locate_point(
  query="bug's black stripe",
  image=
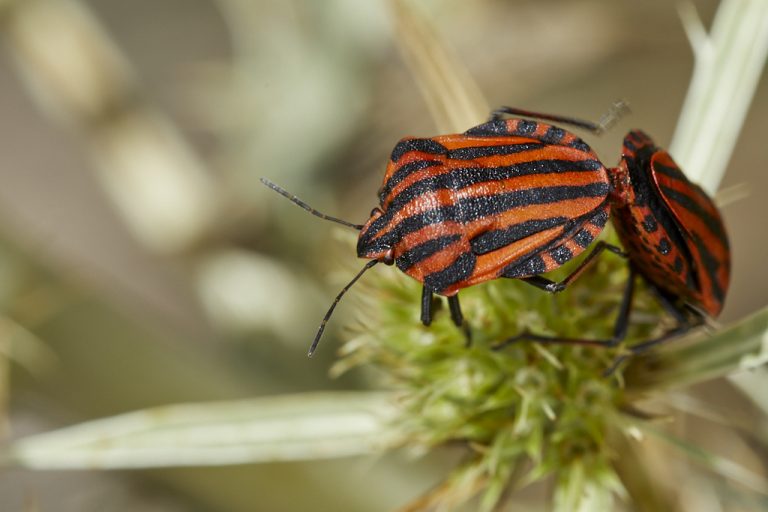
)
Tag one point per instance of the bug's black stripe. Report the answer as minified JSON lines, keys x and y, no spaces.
{"x":710,"y":266}
{"x":531,"y":266}
{"x":422,"y":145}
{"x":424,"y":251}
{"x":600,"y":219}
{"x":580,"y":145}
{"x":472,"y":152}
{"x":460,"y":269}
{"x":498,"y":238}
{"x":463,"y":177}
{"x":561,"y":254}
{"x":637,"y":140}
{"x":526,"y":127}
{"x":690,"y":204}
{"x":473,"y":208}
{"x":583,"y":238}
{"x":672,"y":172}
{"x":491,"y":128}
{"x":403,"y":172}
{"x":554,"y":135}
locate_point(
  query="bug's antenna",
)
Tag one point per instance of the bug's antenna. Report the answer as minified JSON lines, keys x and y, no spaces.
{"x":333,"y":306}
{"x":304,"y":205}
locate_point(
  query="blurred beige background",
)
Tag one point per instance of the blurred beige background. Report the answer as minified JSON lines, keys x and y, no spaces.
{"x":207,"y":96}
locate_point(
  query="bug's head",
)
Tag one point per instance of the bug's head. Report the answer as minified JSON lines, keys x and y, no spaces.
{"x":371,"y":244}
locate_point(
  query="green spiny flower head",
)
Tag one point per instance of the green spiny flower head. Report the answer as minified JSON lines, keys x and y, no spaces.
{"x":525,"y":411}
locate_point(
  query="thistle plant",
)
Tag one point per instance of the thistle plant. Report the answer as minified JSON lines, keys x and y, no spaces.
{"x":524,"y":411}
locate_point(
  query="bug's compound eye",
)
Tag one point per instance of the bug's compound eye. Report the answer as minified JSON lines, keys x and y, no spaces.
{"x":376,"y":211}
{"x":388,"y":258}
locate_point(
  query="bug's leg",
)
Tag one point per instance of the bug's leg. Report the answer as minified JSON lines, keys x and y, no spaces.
{"x":458,"y":318}
{"x":622,"y":320}
{"x":684,"y":324}
{"x":615,"y":112}
{"x":426,"y":306}
{"x":620,"y":326}
{"x":668,"y":304}
{"x":646,"y":345}
{"x":674,"y":332}
{"x":553,"y":287}
{"x":587,"y":125}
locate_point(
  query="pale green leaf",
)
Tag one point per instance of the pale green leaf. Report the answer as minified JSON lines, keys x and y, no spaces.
{"x":284,"y":428}
{"x":727,"y":468}
{"x":703,"y":356}
{"x":728,"y":64}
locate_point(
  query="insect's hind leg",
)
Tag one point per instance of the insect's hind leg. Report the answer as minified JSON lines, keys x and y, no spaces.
{"x":553,"y":287}
{"x":684,"y":324}
{"x":620,"y":327}
{"x":610,"y":118}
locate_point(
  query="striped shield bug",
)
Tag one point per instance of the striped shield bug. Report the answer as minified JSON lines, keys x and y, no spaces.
{"x":674,"y":238}
{"x":673,"y":233}
{"x":509,"y":198}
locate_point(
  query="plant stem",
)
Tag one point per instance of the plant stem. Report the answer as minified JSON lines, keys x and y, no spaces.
{"x":728,"y":64}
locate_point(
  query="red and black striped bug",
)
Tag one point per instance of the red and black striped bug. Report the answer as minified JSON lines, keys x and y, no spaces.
{"x":674,"y":239}
{"x":509,"y":198}
{"x":673,"y":233}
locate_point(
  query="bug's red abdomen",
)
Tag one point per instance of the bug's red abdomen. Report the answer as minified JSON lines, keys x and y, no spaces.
{"x":509,"y":198}
{"x":670,"y":227}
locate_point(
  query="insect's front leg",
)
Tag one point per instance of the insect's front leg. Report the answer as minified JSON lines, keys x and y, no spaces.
{"x":426,"y":306}
{"x":454,"y":306}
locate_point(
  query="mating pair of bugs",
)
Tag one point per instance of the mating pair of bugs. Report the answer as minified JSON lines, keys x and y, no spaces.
{"x":518,"y":197}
